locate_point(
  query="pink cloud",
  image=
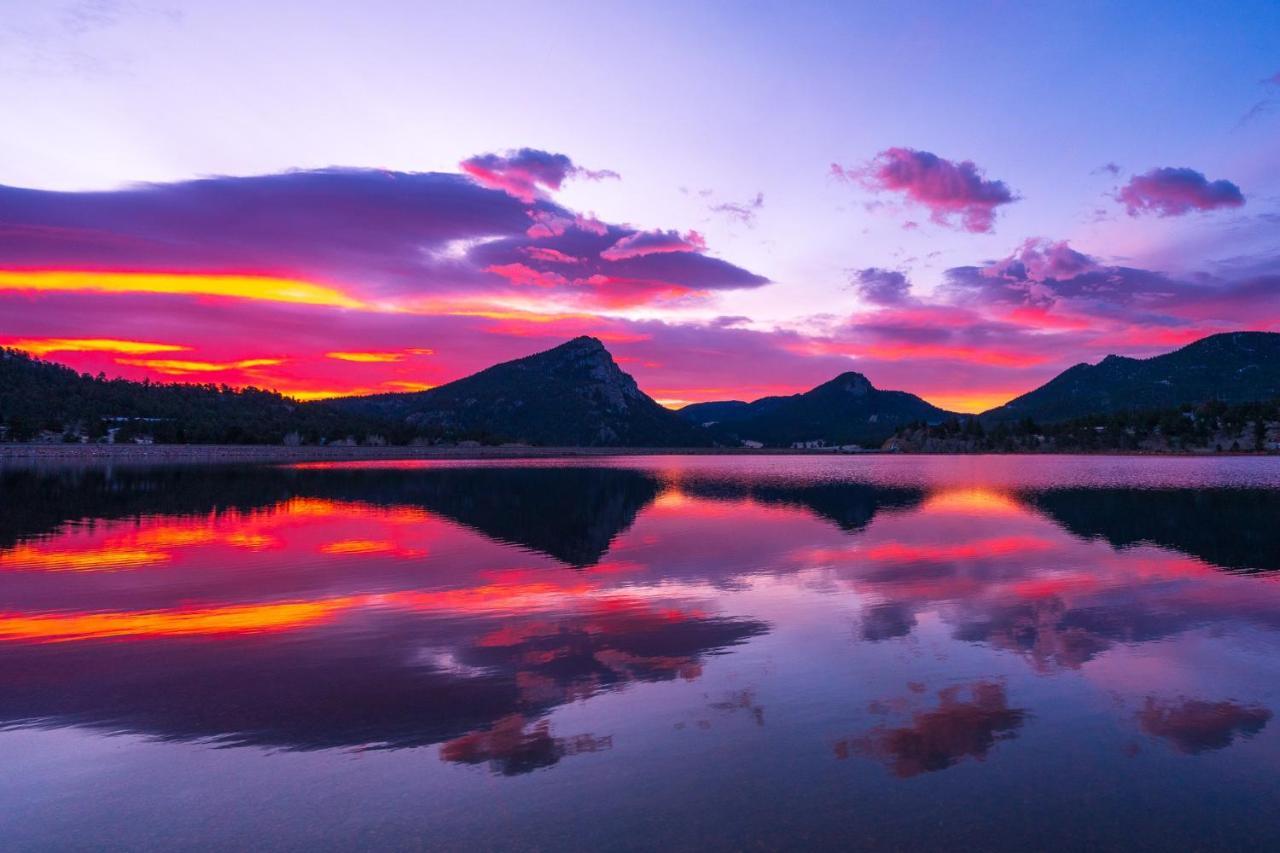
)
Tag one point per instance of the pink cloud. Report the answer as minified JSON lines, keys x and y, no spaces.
{"x":1038,"y":259}
{"x":656,"y":242}
{"x":1176,"y":191}
{"x":551,"y":256}
{"x":947,"y":189}
{"x":519,"y":274}
{"x":549,"y":224}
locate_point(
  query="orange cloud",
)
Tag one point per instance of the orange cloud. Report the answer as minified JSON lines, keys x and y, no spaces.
{"x":45,"y":346}
{"x":173,"y":367}
{"x":408,"y":386}
{"x":366,"y":357}
{"x":264,"y":288}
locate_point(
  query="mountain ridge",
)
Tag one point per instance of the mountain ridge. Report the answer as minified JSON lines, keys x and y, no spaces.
{"x":1234,"y":367}
{"x":573,"y":394}
{"x":845,"y":410}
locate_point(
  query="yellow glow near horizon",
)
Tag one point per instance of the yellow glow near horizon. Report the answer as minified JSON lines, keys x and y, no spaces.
{"x":259,"y":287}
{"x":970,"y":402}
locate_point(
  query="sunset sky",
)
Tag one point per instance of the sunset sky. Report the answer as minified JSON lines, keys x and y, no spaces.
{"x":740,"y":199}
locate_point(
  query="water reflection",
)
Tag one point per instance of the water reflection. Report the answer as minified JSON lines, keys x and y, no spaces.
{"x":497,"y":614}
{"x":967,"y":722}
{"x":1229,"y":528}
{"x":1194,"y":725}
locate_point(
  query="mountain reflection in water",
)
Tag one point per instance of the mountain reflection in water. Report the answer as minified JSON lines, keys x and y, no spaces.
{"x":906,"y":623}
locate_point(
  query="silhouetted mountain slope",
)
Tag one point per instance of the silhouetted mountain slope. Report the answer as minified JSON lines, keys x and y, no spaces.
{"x":728,"y":411}
{"x":572,"y":395}
{"x":1234,"y":367}
{"x":846,"y":410}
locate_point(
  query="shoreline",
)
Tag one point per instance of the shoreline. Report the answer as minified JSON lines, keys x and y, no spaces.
{"x":161,"y":454}
{"x":270,"y":453}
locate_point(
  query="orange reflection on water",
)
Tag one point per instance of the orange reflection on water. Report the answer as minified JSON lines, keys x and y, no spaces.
{"x":236,"y":619}
{"x":999,"y":546}
{"x":369,"y":546}
{"x":975,"y":501}
{"x":152,"y":541}
{"x":906,"y":552}
{"x":29,"y":558}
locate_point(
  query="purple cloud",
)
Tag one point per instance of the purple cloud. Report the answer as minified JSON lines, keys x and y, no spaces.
{"x":1171,"y":191}
{"x":389,"y":234}
{"x":744,"y":212}
{"x":527,"y":172}
{"x":881,"y":286}
{"x":946,"y":188}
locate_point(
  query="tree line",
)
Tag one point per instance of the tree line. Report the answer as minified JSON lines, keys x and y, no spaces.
{"x":41,"y":400}
{"x":1210,"y":426}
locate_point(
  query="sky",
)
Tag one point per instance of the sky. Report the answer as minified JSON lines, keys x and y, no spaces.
{"x":740,"y":199}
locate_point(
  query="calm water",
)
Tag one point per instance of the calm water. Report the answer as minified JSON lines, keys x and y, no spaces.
{"x":675,"y":653}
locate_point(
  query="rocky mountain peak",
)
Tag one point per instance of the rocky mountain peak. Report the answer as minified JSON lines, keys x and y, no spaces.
{"x":853,"y":383}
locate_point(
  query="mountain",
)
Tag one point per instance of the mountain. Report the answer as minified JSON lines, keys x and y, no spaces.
{"x":574,"y":395}
{"x":728,"y":411}
{"x":1234,"y":367}
{"x":846,"y":410}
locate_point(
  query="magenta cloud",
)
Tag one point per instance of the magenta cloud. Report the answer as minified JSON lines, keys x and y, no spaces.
{"x":950,"y":191}
{"x":1039,"y":260}
{"x":655,"y":242}
{"x":527,"y":172}
{"x":1169,"y":191}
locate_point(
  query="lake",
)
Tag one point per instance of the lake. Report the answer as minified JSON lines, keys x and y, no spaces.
{"x":690,"y":653}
